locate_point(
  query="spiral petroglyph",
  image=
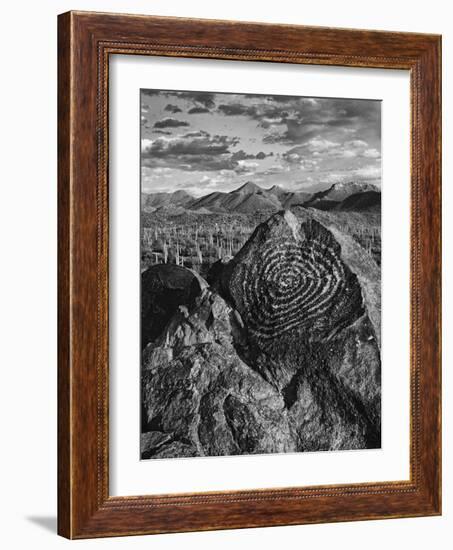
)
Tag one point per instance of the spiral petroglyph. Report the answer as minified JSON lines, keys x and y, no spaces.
{"x":291,"y":277}
{"x":291,"y":285}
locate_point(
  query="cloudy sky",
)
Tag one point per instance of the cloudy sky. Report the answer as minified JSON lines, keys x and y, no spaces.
{"x":203,"y":142}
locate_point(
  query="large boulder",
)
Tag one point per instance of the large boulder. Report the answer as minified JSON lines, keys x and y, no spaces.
{"x":308,"y":299}
{"x":199,"y":398}
{"x":165,"y":287}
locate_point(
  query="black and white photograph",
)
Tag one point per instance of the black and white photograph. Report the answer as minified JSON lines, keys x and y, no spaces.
{"x":260,"y":274}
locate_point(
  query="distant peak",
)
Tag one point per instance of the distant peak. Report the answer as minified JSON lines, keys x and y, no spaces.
{"x":248,"y":187}
{"x":277,"y":190}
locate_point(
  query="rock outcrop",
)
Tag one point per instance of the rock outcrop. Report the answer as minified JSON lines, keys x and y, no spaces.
{"x":307,"y":328}
{"x":280,"y":353}
{"x":164,"y":288}
{"x":200,"y":398}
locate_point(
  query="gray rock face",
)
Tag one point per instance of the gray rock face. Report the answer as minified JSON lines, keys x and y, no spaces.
{"x":280,"y":353}
{"x":164,"y":288}
{"x":308,"y":330}
{"x":200,"y":398}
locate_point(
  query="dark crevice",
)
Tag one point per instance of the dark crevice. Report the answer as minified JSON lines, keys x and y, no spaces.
{"x":154,"y":425}
{"x":289,"y":392}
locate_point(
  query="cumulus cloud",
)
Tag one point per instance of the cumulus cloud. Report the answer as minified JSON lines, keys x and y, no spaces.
{"x":191,"y":151}
{"x":151,"y":93}
{"x":316,"y":146}
{"x":205,"y":99}
{"x":293,"y":120}
{"x":265,"y":113}
{"x":371,"y":153}
{"x":146,"y":144}
{"x":198,"y":110}
{"x":327,"y":149}
{"x":246,"y":167}
{"x":162,"y":132}
{"x":242,"y":155}
{"x":192,"y":143}
{"x":320,"y":145}
{"x":300,"y":160}
{"x":368,"y":172}
{"x":275,"y":169}
{"x":235,"y":109}
{"x":170,"y":123}
{"x":172,"y":108}
{"x":359,"y":148}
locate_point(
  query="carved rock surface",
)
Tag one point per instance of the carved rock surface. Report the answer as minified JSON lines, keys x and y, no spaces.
{"x":308,"y":296}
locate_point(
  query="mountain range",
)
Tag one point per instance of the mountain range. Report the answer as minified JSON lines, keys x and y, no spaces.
{"x":250,"y":198}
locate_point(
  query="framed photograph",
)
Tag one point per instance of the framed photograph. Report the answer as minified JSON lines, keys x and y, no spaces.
{"x":249,"y":275}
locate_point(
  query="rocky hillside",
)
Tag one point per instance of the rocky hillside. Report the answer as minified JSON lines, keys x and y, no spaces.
{"x":340,"y":191}
{"x":248,"y":198}
{"x":357,"y":196}
{"x":279,"y":351}
{"x":152,"y":201}
{"x":368,"y":201}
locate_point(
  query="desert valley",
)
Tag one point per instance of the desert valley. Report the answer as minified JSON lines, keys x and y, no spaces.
{"x":196,"y":232}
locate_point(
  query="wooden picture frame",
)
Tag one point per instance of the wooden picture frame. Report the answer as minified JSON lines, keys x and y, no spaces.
{"x":85,"y":42}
